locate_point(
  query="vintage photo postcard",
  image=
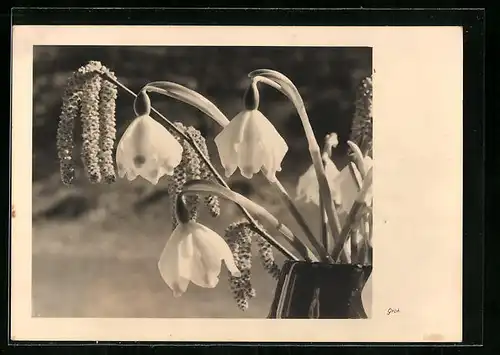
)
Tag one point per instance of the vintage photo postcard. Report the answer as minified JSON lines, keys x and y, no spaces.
{"x":204,"y":183}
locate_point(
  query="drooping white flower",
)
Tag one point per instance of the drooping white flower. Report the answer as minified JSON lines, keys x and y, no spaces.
{"x":308,"y":188}
{"x":251,"y":143}
{"x":194,"y":254}
{"x":147,"y":149}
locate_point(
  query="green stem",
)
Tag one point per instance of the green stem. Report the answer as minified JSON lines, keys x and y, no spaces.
{"x":358,"y":157}
{"x":195,"y":99}
{"x":256,"y":209}
{"x":359,"y":184}
{"x":189,"y":97}
{"x":353,"y":216}
{"x":359,"y":165}
{"x":330,"y":142}
{"x":288,"y":89}
{"x":287,"y":200}
{"x":219,"y":178}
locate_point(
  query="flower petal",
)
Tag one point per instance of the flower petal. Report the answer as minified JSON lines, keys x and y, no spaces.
{"x":185,"y":255}
{"x":349,"y":188}
{"x":274,"y":145}
{"x":147,"y":149}
{"x":200,"y":273}
{"x":250,"y":151}
{"x":308,"y":187}
{"x":214,"y":249}
{"x":169,"y":263}
{"x":332,"y":173}
{"x":227,"y":140}
{"x":251,"y":143}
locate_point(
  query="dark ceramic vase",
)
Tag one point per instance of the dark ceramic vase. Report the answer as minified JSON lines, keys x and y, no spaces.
{"x":320,"y":290}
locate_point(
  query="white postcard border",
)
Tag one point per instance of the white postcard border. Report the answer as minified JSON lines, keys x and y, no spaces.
{"x":417,"y":184}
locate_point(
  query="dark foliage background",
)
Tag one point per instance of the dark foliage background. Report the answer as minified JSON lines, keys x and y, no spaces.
{"x":95,"y":247}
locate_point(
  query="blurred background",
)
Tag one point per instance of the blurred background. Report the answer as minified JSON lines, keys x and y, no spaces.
{"x":96,"y":247}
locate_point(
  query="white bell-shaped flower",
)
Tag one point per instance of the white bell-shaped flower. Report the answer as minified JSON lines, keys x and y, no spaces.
{"x":147,"y":149}
{"x":308,"y":187}
{"x":251,"y":143}
{"x":194,"y":253}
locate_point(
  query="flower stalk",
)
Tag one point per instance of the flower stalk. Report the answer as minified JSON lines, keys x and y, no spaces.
{"x":249,"y":142}
{"x":198,"y":101}
{"x":354,"y":215}
{"x":326,"y":236}
{"x":280,"y":82}
{"x":288,"y":89}
{"x":200,"y":186}
{"x":194,"y":99}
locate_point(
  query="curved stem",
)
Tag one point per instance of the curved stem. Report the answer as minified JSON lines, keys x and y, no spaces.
{"x":331,"y":141}
{"x":287,"y":200}
{"x":324,"y":231}
{"x":358,"y":157}
{"x":197,"y":100}
{"x":209,"y":187}
{"x":289,"y":90}
{"x":219,"y":178}
{"x":353,"y":216}
{"x":189,"y":97}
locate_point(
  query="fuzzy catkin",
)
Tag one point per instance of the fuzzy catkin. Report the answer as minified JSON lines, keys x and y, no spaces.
{"x":64,"y":139}
{"x":191,"y":163}
{"x":362,"y":124}
{"x":107,"y":112}
{"x":92,"y":99}
{"x":185,"y":171}
{"x":211,"y":201}
{"x":191,"y":167}
{"x":239,"y":238}
{"x":267,"y":257}
{"x":91,"y":127}
{"x":70,"y":110}
{"x":174,"y":187}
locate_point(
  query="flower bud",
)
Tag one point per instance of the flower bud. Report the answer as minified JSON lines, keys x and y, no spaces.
{"x":174,"y":187}
{"x":142,"y":104}
{"x":251,"y":98}
{"x":182,"y":212}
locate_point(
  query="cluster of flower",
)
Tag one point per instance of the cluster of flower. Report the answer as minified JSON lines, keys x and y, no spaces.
{"x":191,"y":167}
{"x":92,"y":99}
{"x":239,"y":237}
{"x":362,"y":125}
{"x":248,"y":142}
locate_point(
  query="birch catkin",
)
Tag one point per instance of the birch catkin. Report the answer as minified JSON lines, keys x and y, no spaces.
{"x":91,"y":127}
{"x":91,"y":99}
{"x":107,"y":112}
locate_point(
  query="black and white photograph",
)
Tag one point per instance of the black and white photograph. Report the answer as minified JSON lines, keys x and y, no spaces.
{"x":215,"y":182}
{"x":197,"y":195}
